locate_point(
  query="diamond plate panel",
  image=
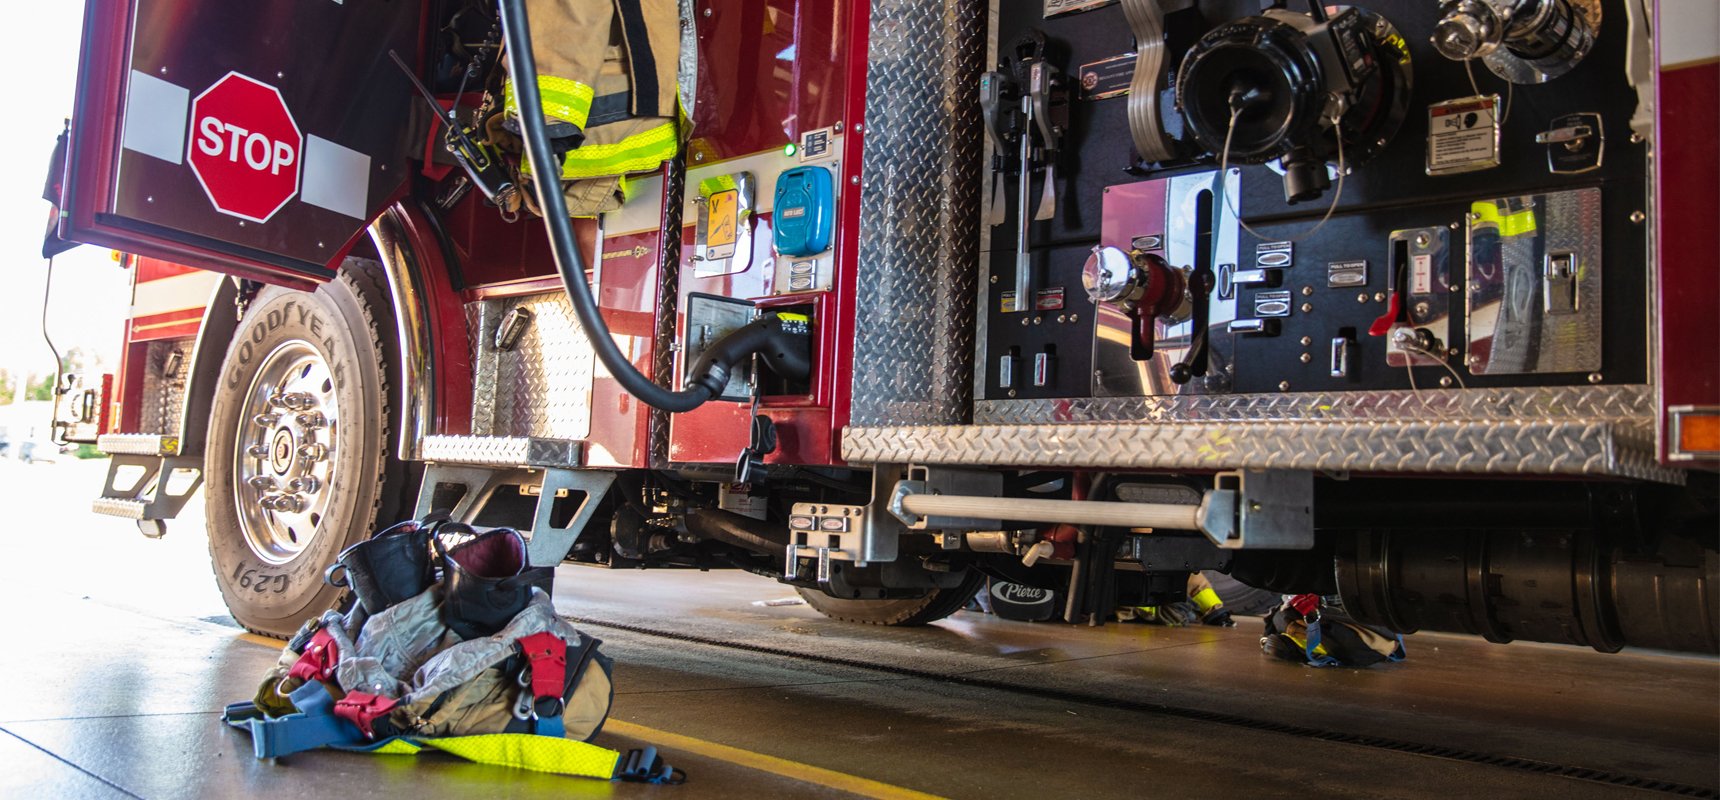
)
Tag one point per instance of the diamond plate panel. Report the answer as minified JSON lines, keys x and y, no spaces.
{"x":919,"y":226}
{"x":541,"y":388}
{"x":501,"y":451}
{"x":1625,"y":404}
{"x":1517,"y":447}
{"x":163,"y":397}
{"x":137,"y":444}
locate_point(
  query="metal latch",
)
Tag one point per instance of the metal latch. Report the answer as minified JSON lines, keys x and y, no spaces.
{"x":1574,"y":143}
{"x":1559,"y":283}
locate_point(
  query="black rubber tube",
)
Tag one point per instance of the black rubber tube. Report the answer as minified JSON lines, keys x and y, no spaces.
{"x":569,"y":261}
{"x":738,"y":530}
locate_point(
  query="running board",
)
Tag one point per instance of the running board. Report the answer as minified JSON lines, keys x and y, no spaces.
{"x":501,"y":451}
{"x":137,"y":444}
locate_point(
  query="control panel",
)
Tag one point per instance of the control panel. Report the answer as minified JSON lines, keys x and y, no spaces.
{"x":1206,"y":197}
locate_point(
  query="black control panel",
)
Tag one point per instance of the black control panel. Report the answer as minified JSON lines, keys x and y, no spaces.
{"x":1485,"y":233}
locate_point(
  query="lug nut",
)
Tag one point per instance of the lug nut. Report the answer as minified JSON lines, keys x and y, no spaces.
{"x":263,"y":483}
{"x":266,"y":420}
{"x":297,"y":401}
{"x":289,"y":503}
{"x":313,"y":451}
{"x":308,"y":484}
{"x":258,"y":451}
{"x":311,"y":419}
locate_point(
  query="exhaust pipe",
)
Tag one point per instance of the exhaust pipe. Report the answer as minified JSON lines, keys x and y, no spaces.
{"x":1559,"y":586}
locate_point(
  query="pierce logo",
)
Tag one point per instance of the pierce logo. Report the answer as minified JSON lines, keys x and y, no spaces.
{"x":245,"y":147}
{"x":1018,"y":593}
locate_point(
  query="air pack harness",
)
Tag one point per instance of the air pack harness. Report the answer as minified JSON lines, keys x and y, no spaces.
{"x":459,"y":651}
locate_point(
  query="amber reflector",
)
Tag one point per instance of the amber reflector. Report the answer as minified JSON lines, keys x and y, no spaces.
{"x":1699,"y":432}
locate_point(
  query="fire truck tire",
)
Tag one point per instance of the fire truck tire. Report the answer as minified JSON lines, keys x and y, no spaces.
{"x":298,"y":463}
{"x":905,"y":612}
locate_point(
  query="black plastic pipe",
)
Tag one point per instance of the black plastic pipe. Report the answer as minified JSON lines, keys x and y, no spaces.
{"x":569,"y":261}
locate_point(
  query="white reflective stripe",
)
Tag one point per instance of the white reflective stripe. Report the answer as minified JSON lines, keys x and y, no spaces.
{"x":1689,"y":31}
{"x":189,"y":290}
{"x":155,"y":117}
{"x":336,"y":178}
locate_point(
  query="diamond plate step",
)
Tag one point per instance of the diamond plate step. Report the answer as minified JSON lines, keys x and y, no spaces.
{"x":118,"y":507}
{"x":137,"y":444}
{"x":501,"y":451}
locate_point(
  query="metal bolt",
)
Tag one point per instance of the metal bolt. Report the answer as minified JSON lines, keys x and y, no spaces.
{"x":1283,"y":386}
{"x":266,"y":420}
{"x":1307,"y":291}
{"x":859,"y":127}
{"x":1452,"y":226}
{"x":1011,"y":392}
{"x":837,"y":127}
{"x":854,"y":179}
{"x":697,"y":155}
{"x":1307,"y":340}
{"x":1074,"y":317}
{"x":1062,"y":318}
{"x":1254,"y":505}
{"x":262,"y":483}
{"x":311,"y":419}
{"x":1445,"y":382}
{"x":1379,"y":297}
{"x":1423,"y":240}
{"x":1024,"y":322}
{"x":1038,"y":319}
{"x":313,"y":451}
{"x":1455,"y":288}
{"x":290,"y":503}
{"x":149,"y":199}
{"x":1474,"y":361}
{"x":1307,"y":307}
{"x":1421,"y":309}
{"x":1638,"y":217}
{"x":994,"y":279}
{"x":1362,"y":298}
{"x":257,"y":451}
{"x":1306,"y":358}
{"x":1636,"y":138}
{"x":308,"y":484}
{"x":1595,"y":377}
{"x":707,"y":12}
{"x":1451,"y":352}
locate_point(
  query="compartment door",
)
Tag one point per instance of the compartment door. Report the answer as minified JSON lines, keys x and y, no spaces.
{"x":254,"y":138}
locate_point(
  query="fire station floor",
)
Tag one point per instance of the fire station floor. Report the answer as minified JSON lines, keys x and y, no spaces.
{"x":118,"y":656}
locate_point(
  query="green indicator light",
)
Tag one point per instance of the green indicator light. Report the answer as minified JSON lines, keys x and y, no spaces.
{"x":789,"y":149}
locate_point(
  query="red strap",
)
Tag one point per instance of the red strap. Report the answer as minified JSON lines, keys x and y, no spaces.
{"x":318,"y":661}
{"x":362,"y":709}
{"x":1305,"y":604}
{"x":547,"y":655}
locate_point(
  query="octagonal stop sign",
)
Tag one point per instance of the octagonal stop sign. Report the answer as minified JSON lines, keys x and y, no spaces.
{"x":245,"y":147}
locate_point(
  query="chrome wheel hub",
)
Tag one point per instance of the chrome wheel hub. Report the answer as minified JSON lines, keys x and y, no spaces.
{"x":284,"y":452}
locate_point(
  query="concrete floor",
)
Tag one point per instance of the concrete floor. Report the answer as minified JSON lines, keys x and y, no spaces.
{"x":120,"y":656}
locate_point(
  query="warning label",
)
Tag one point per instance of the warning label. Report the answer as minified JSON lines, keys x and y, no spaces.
{"x":1463,"y":135}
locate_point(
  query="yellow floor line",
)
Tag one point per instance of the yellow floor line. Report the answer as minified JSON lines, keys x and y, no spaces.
{"x":795,"y":770}
{"x":840,"y":781}
{"x":265,"y":641}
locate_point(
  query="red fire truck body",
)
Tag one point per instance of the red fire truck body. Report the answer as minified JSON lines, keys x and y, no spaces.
{"x":1000,"y":383}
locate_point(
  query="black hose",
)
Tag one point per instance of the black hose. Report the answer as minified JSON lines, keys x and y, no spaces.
{"x":569,"y":261}
{"x":737,"y":530}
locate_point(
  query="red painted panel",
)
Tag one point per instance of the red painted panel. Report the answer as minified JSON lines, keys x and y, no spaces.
{"x":1688,"y":216}
{"x":166,"y":325}
{"x":768,"y":69}
{"x":152,"y":269}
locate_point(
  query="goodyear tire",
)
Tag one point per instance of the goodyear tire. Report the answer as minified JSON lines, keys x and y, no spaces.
{"x":298,"y":462}
{"x":906,"y":613}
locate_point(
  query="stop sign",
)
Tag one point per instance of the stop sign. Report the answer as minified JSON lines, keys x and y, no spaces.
{"x":245,"y":147}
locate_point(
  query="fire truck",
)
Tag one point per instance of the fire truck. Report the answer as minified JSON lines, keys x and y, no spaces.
{"x":1406,"y":302}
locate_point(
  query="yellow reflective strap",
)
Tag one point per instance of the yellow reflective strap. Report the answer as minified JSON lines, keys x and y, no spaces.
{"x":528,"y":751}
{"x":563,"y":99}
{"x":1207,"y":600}
{"x":1515,"y":223}
{"x":397,"y":747}
{"x":789,"y":316}
{"x":641,"y":152}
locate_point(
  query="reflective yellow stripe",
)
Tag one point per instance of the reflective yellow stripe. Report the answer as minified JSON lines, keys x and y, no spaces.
{"x":1513,"y":224}
{"x":1207,"y":600}
{"x":643,"y":151}
{"x":528,"y":751}
{"x":563,"y":99}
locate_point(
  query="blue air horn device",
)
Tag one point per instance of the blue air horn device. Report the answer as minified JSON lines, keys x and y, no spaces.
{"x":805,"y":208}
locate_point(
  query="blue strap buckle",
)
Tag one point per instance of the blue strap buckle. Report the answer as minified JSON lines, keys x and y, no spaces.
{"x":314,"y":726}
